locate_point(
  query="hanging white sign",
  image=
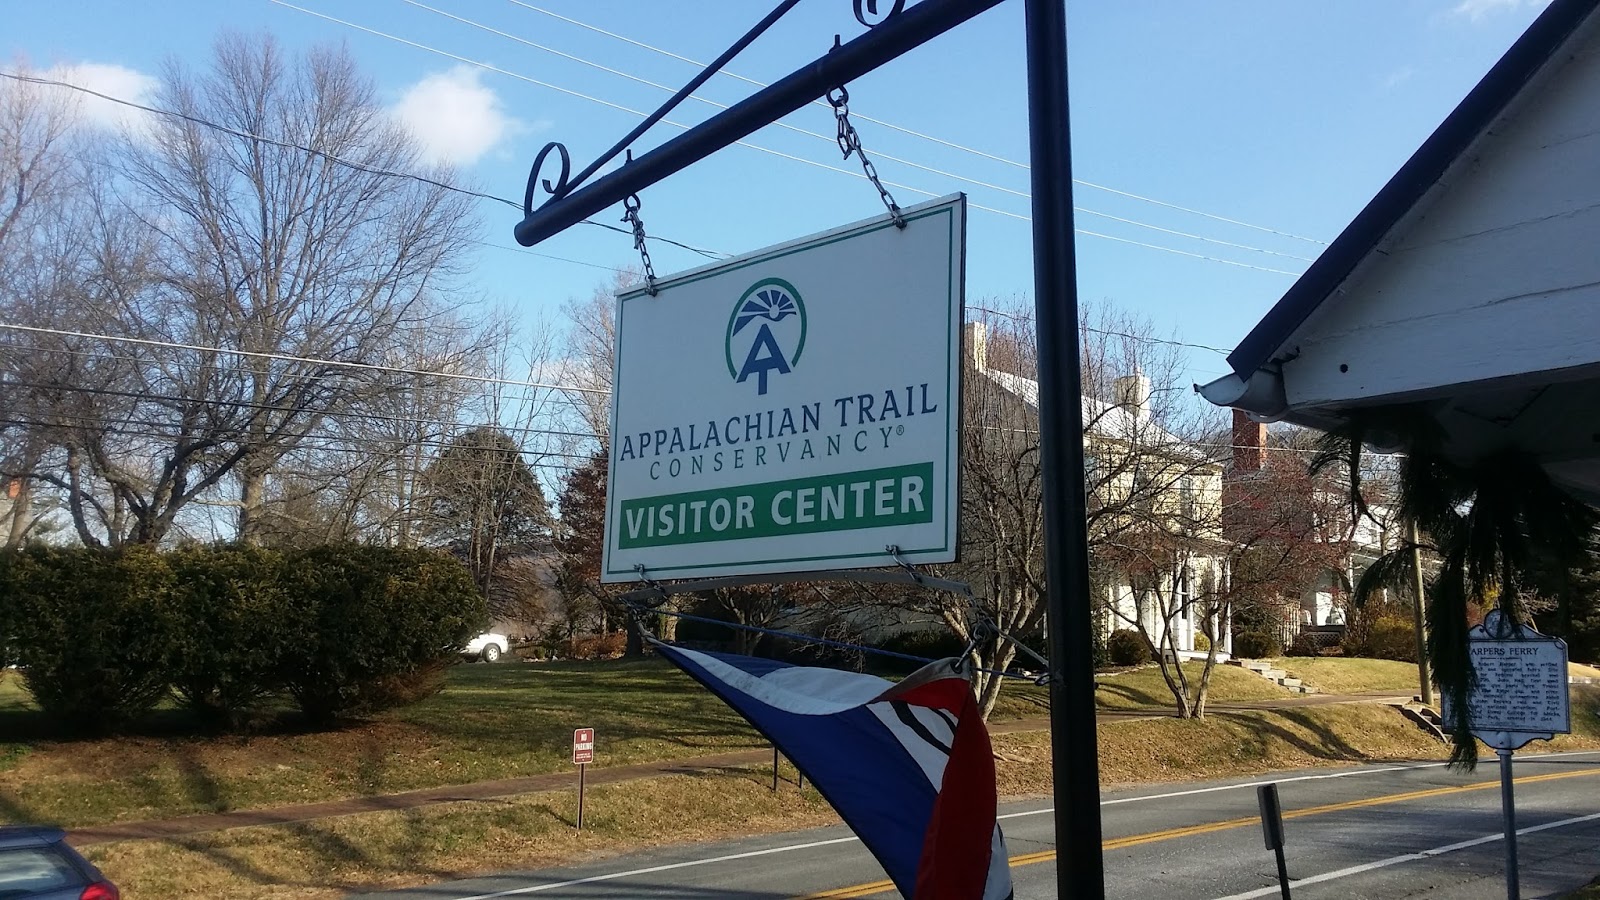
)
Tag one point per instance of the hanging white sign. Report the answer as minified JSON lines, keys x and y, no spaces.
{"x":795,"y":409}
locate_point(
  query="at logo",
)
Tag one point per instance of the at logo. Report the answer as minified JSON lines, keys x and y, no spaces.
{"x":766,"y":332}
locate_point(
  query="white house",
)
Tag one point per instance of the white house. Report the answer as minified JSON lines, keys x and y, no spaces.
{"x":1129,"y":458}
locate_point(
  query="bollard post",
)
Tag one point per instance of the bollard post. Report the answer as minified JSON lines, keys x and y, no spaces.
{"x":1272,"y":830}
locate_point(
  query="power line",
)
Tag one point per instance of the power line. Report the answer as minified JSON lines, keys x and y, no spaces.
{"x":917,"y":134}
{"x":515,"y":401}
{"x":1122,"y":334}
{"x":831,"y":139}
{"x":322,"y":154}
{"x":309,"y":360}
{"x":265,"y":407}
{"x":757,"y":147}
{"x":97,"y":425}
{"x":513,"y":204}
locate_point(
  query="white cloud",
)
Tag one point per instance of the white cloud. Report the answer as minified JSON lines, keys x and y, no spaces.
{"x":1478,"y":10}
{"x":114,"y":81}
{"x":456,"y":118}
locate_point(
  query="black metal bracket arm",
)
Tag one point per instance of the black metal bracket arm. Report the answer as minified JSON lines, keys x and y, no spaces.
{"x":887,"y":40}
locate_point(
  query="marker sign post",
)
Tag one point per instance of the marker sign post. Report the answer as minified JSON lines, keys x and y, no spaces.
{"x":793,"y":410}
{"x":582,"y":755}
{"x":1521,"y":695}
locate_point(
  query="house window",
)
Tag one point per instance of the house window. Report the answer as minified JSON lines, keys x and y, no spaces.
{"x":1186,"y":496}
{"x":1185,"y":592}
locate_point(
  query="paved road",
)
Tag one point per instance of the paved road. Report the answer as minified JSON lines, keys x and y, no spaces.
{"x":1409,"y":830}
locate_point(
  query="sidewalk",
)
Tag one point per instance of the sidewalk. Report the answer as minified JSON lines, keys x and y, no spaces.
{"x":183,"y":826}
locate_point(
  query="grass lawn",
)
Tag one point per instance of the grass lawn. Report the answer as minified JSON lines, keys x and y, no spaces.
{"x":490,"y":722}
{"x":1144,"y":687}
{"x":322,"y":860}
{"x":1349,"y":675}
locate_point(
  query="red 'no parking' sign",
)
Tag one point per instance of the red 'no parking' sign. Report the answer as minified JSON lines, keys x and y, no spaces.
{"x":583,"y":746}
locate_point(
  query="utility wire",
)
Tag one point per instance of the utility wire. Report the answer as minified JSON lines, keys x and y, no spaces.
{"x":757,"y":147}
{"x":322,"y":154}
{"x":1122,"y":334}
{"x":309,"y":360}
{"x":266,"y":407}
{"x":152,"y":435}
{"x":832,"y":139}
{"x":515,"y":205}
{"x":917,"y":134}
{"x":512,"y":401}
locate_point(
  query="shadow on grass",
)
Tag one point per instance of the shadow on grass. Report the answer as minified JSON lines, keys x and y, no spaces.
{"x":1139,"y":697}
{"x":330,"y":852}
{"x":1324,"y":743}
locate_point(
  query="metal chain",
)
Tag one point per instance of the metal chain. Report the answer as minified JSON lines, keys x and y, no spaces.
{"x":850,"y":142}
{"x":630,"y":215}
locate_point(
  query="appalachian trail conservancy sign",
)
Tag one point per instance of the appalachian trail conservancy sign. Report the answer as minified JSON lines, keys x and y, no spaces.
{"x":1521,"y":691}
{"x":796,"y":409}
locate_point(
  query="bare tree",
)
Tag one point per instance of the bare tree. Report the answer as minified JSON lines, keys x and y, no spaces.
{"x":279,"y":233}
{"x":39,"y":255}
{"x":1145,"y":469}
{"x":591,"y":352}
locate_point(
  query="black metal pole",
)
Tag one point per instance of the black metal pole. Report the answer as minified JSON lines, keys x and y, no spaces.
{"x":1283,"y":874}
{"x":1508,"y":807}
{"x":581,"y":770}
{"x":890,"y":39}
{"x":1075,"y":765}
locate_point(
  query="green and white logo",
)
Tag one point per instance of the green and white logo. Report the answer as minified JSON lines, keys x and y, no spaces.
{"x":766,"y":332}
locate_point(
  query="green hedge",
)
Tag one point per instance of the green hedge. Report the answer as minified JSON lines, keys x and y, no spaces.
{"x":94,"y":632}
{"x":237,"y":627}
{"x":1256,"y":645}
{"x":379,"y":621}
{"x":104,"y":636}
{"x":1127,"y":647}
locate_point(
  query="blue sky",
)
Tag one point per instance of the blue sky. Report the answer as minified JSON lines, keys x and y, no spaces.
{"x":1287,"y":116}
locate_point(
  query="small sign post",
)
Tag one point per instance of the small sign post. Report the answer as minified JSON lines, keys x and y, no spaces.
{"x":1272,"y":831}
{"x":1520,"y":695}
{"x":582,"y":755}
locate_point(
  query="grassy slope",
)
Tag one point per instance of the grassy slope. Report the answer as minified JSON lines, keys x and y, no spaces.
{"x":490,"y":722}
{"x":320,"y":860}
{"x":1144,"y":687}
{"x":1344,"y":675}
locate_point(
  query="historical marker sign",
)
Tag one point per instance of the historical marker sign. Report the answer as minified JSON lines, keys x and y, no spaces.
{"x":795,"y":409}
{"x":1521,"y":693}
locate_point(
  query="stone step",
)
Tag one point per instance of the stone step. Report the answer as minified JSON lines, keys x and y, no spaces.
{"x":1290,"y":682}
{"x":1425,"y":718}
{"x":1274,"y":674}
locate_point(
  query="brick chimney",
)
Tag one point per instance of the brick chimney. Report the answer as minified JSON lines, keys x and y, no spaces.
{"x":1249,"y":443}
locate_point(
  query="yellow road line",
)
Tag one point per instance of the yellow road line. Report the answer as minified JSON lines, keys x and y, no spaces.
{"x":878,"y":887}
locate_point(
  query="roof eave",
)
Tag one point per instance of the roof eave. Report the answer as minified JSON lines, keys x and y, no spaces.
{"x":1470,"y":119}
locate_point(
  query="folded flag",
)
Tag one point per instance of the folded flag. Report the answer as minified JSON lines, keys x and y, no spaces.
{"x":908,"y":766}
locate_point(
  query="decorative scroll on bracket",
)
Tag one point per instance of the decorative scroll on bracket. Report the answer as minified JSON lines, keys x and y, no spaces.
{"x":557,"y":190}
{"x":871,"y":9}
